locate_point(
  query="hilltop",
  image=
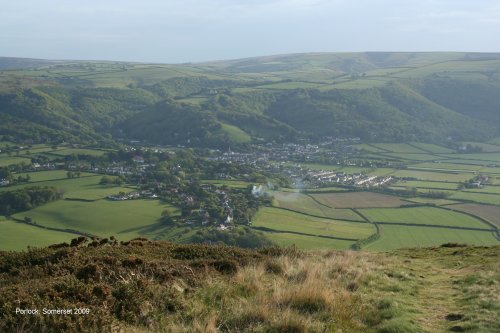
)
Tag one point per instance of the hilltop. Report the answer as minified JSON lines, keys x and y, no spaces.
{"x":379,"y":96}
{"x":143,"y":286}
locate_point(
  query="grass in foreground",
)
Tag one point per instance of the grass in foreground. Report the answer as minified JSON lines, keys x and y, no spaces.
{"x":143,"y":286}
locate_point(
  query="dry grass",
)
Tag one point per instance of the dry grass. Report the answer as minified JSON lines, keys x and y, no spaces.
{"x":159,"y":287}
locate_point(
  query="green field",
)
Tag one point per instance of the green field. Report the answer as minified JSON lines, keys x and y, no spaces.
{"x":235,"y":134}
{"x":394,"y":237}
{"x":447,"y":166}
{"x":427,"y":184}
{"x":40,"y":176}
{"x":433,"y":176}
{"x":437,"y":202}
{"x":487,"y":148}
{"x":492,"y":199}
{"x":6,"y":160}
{"x":306,"y":242}
{"x":358,"y":200}
{"x":17,"y":236}
{"x":125,"y":219}
{"x":79,"y":151}
{"x":228,"y":183}
{"x":398,"y":148}
{"x":423,"y":215}
{"x":431,"y":148}
{"x":484,"y":189}
{"x":86,"y":188}
{"x":488,"y":212}
{"x":414,"y":157}
{"x":305,"y":204}
{"x":281,"y":220}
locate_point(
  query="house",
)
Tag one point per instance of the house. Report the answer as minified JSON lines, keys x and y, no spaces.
{"x":138,"y":159}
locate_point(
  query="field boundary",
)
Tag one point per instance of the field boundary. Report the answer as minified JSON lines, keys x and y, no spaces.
{"x":304,"y":234}
{"x":495,"y":230}
{"x":320,"y":217}
{"x":68,"y":231}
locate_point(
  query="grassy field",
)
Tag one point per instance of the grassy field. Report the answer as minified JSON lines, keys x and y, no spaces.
{"x":433,"y":176}
{"x":490,"y":213}
{"x":40,"y":176}
{"x":492,"y":199}
{"x":437,"y":202}
{"x":431,"y":148}
{"x":423,"y":215}
{"x":398,"y":148}
{"x":228,"y":183}
{"x":86,"y":188}
{"x":490,"y":157}
{"x":427,"y":184}
{"x":307,"y":242}
{"x":305,"y":204}
{"x":286,"y":221}
{"x":6,"y":160}
{"x":235,"y":134}
{"x":17,"y":236}
{"x":487,"y":148}
{"x":79,"y":151}
{"x":447,"y":166}
{"x":126,"y":219}
{"x":358,"y":200}
{"x":414,"y":157}
{"x":394,"y":237}
{"x":484,"y":189}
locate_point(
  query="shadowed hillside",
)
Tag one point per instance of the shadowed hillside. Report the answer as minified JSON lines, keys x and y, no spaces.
{"x":431,"y":97}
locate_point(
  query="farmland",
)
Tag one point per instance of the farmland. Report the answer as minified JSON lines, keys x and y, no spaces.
{"x":15,"y":236}
{"x":307,"y":205}
{"x":488,"y":212}
{"x":281,"y":221}
{"x":125,"y":219}
{"x":423,"y":215}
{"x":427,"y":203}
{"x":395,"y":236}
{"x":358,"y":200}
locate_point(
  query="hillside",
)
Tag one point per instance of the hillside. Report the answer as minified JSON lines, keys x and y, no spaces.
{"x":428,"y":97}
{"x":141,"y":286}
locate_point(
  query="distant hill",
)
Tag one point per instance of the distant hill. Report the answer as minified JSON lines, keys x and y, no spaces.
{"x":24,"y":63}
{"x":380,"y":96}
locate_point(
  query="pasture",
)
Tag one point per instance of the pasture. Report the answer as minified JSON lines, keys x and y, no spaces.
{"x":423,"y":215}
{"x":395,"y":237}
{"x":6,"y":160}
{"x":427,"y":184}
{"x":41,"y":176}
{"x":305,"y":204}
{"x":79,"y":151}
{"x":487,"y":212}
{"x":306,"y":242}
{"x":358,"y":200}
{"x":124,"y":219}
{"x":433,"y":175}
{"x":286,"y":221}
{"x":17,"y":236}
{"x":492,"y":199}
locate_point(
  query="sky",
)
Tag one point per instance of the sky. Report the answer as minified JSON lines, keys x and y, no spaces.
{"x":178,"y":31}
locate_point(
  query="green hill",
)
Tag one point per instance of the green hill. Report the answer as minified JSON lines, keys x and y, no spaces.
{"x":376,"y":96}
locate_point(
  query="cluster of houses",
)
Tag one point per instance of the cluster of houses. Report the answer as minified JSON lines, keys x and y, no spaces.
{"x":4,"y":182}
{"x":478,"y":182}
{"x":132,"y":195}
{"x":322,"y":177}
